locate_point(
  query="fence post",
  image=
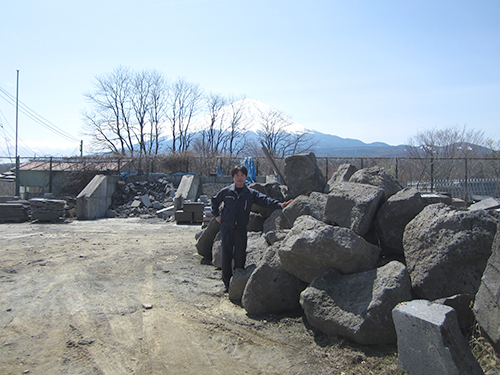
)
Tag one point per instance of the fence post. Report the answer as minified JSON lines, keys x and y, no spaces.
{"x":466,"y":182}
{"x":50,"y":175}
{"x":432,"y":174}
{"x":396,"y":168}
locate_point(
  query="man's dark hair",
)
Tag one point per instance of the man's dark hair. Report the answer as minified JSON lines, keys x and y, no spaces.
{"x":239,"y":168}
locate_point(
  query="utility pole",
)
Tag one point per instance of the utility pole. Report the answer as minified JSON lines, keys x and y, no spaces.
{"x":81,"y":148}
{"x":17,"y":137}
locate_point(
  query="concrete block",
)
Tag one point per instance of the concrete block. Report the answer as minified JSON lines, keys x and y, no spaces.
{"x":430,"y":341}
{"x":187,"y":190}
{"x":94,"y":200}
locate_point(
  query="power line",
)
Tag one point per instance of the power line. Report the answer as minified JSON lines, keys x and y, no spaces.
{"x":8,"y":139}
{"x":36,"y":117}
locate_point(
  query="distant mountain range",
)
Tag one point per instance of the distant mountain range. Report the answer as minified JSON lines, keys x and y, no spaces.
{"x":323,"y":144}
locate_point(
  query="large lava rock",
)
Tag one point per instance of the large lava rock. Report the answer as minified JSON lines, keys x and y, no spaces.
{"x":270,"y":289}
{"x":357,"y":306}
{"x":446,"y":250}
{"x":303,"y":175}
{"x":313,"y":205}
{"x":377,"y":176}
{"x":352,"y":205}
{"x":487,"y":304}
{"x":393,"y":216}
{"x":311,"y":247}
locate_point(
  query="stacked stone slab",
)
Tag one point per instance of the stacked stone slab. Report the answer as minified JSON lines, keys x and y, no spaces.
{"x":47,"y":209}
{"x":14,"y":211}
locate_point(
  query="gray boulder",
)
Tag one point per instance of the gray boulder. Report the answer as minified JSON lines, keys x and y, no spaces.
{"x":270,"y":289}
{"x":276,"y":221}
{"x":256,"y":247}
{"x":462,"y":304}
{"x":393,"y":216}
{"x":432,"y":198}
{"x":271,"y":189}
{"x":430,"y":341}
{"x":239,"y":281}
{"x":355,"y":206}
{"x":487,"y":304}
{"x":313,"y":205}
{"x":206,"y":238}
{"x":357,"y":306}
{"x":255,"y":222}
{"x":446,"y":250}
{"x":311,"y":247}
{"x":377,"y":176}
{"x":303,"y":175}
{"x":276,"y":236}
{"x":343,"y":174}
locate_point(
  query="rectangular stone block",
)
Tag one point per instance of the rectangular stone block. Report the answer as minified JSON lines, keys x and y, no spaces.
{"x":430,"y":341}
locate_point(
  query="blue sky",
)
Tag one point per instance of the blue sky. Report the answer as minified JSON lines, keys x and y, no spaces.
{"x":370,"y":70}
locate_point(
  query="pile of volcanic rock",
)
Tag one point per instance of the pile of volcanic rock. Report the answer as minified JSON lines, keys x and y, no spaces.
{"x":142,"y":197}
{"x":349,"y":250}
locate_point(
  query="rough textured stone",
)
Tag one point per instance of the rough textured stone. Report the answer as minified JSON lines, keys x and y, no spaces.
{"x":487,"y":304}
{"x":255,"y":222}
{"x":270,"y":289}
{"x":462,"y":303}
{"x":303,"y":175}
{"x":393,"y":216}
{"x":430,"y":341}
{"x":352,"y":205}
{"x":311,"y":247}
{"x":276,"y":236}
{"x":271,"y":189}
{"x":446,"y":250}
{"x":239,"y":282}
{"x":276,"y":221}
{"x":206,"y":238}
{"x":343,"y":174}
{"x":377,"y":176}
{"x":313,"y":205}
{"x":256,"y":247}
{"x":357,"y":306}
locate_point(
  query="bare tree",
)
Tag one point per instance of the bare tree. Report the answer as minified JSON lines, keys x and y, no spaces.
{"x":236,"y":141}
{"x":128,"y":109}
{"x":451,"y":142}
{"x":157,"y":109}
{"x":185,"y":101}
{"x":110,"y":101}
{"x":444,"y":148}
{"x":214,"y":133}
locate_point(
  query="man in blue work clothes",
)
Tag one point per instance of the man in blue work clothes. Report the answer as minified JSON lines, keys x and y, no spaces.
{"x":238,"y":199}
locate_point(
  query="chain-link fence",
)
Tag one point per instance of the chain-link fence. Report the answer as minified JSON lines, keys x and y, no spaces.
{"x":461,"y":177}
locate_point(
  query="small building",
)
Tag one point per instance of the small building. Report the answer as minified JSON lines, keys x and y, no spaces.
{"x":56,"y":176}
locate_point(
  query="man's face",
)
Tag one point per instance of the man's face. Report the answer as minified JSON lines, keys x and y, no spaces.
{"x":239,"y":179}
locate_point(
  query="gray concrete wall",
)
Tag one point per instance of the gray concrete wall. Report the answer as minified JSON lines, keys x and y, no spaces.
{"x":95,"y":199}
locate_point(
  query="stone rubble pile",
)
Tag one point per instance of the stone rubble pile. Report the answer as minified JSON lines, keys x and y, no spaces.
{"x":348,"y":251}
{"x":141,"y":198}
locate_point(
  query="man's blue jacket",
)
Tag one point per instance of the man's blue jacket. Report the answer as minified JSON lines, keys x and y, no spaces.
{"x":237,"y":206}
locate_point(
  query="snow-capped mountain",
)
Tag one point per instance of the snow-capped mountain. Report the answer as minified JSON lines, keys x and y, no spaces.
{"x":252,"y":112}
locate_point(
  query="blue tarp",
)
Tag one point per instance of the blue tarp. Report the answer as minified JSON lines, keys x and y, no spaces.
{"x":248,"y":163}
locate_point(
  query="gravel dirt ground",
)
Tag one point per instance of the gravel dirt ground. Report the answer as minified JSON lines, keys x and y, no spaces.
{"x":130,"y":296}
